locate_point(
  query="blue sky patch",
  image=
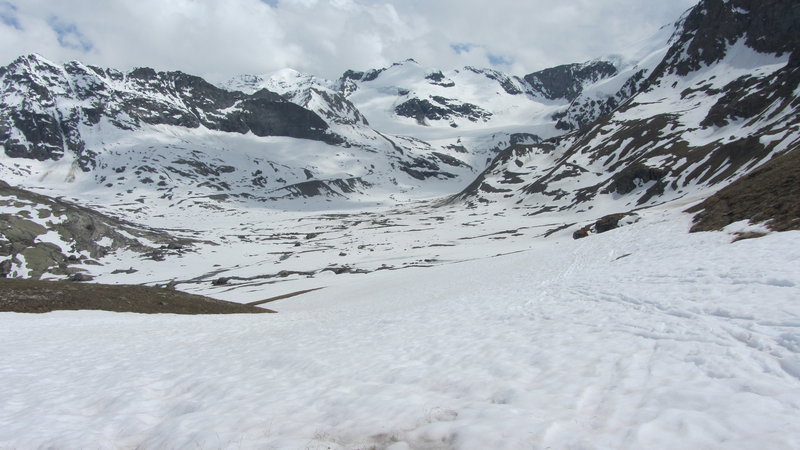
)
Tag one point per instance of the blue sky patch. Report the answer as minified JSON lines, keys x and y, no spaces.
{"x":494,"y":59}
{"x":8,"y":15}
{"x":69,"y":36}
{"x":462,"y":47}
{"x":497,"y":60}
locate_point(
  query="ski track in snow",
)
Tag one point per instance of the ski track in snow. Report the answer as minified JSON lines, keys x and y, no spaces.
{"x":642,"y":337}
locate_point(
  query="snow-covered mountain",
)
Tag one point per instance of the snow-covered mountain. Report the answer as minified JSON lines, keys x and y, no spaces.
{"x":167,"y":132}
{"x":463,"y":117}
{"x":359,"y":209}
{"x":403,"y":130}
{"x":716,"y":101}
{"x":698,"y":106}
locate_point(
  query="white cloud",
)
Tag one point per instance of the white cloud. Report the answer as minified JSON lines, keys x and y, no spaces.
{"x":219,"y":39}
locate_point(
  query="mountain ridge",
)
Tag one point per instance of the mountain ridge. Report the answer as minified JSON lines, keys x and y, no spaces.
{"x":678,"y":133}
{"x":698,"y":110}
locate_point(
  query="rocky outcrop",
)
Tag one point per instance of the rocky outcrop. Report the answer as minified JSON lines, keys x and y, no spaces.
{"x":567,"y":81}
{"x":710,"y":27}
{"x":315,"y":94}
{"x":440,"y":108}
{"x":49,"y":236}
{"x":606,"y":223}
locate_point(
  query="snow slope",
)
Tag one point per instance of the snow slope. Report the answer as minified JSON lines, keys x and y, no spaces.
{"x":571,"y":344}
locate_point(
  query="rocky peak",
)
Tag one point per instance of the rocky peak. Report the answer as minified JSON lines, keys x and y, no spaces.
{"x":368,"y":75}
{"x":512,"y":86}
{"x":30,"y":62}
{"x":371,"y":74}
{"x":705,"y":33}
{"x":322,"y":96}
{"x":567,"y":81}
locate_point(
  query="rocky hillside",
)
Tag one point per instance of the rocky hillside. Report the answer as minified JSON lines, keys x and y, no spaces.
{"x":568,"y":81}
{"x":44,"y":235}
{"x":721,"y":101}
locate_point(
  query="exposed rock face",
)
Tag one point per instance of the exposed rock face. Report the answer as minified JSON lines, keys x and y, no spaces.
{"x":628,"y":179}
{"x":317,"y":95}
{"x":606,"y":223}
{"x":315,"y":188}
{"x":567,"y":81}
{"x":585,"y":109}
{"x":439,"y":79}
{"x":362,"y":76}
{"x":440,"y":109}
{"x":703,"y":38}
{"x":512,"y":85}
{"x":712,"y":25}
{"x":46,"y":105}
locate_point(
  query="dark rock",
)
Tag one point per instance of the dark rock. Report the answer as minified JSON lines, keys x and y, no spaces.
{"x":320,"y":188}
{"x":442,"y":109}
{"x":504,"y":80}
{"x":439,"y":79}
{"x":708,"y":29}
{"x":435,"y":76}
{"x":80,"y":277}
{"x":567,"y":81}
{"x":362,"y":76}
{"x":603,"y":224}
{"x":5,"y":268}
{"x":449,"y":160}
{"x":741,"y":101}
{"x":628,"y":179}
{"x":580,"y":234}
{"x":221,"y":281}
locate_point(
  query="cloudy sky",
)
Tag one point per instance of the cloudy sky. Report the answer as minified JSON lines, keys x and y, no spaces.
{"x":220,"y":38}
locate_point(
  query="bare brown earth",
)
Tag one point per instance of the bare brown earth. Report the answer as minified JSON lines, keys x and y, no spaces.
{"x":35,"y":296}
{"x":769,"y":195}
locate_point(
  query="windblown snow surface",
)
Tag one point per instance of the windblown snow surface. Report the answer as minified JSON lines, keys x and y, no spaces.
{"x":641,"y":337}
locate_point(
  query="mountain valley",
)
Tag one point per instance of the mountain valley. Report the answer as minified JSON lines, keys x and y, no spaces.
{"x":595,"y":255}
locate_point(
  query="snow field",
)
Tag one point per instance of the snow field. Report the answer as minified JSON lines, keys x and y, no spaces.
{"x":642,"y":337}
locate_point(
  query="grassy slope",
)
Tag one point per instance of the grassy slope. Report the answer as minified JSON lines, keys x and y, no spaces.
{"x":34,"y":296}
{"x":769,"y":194}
